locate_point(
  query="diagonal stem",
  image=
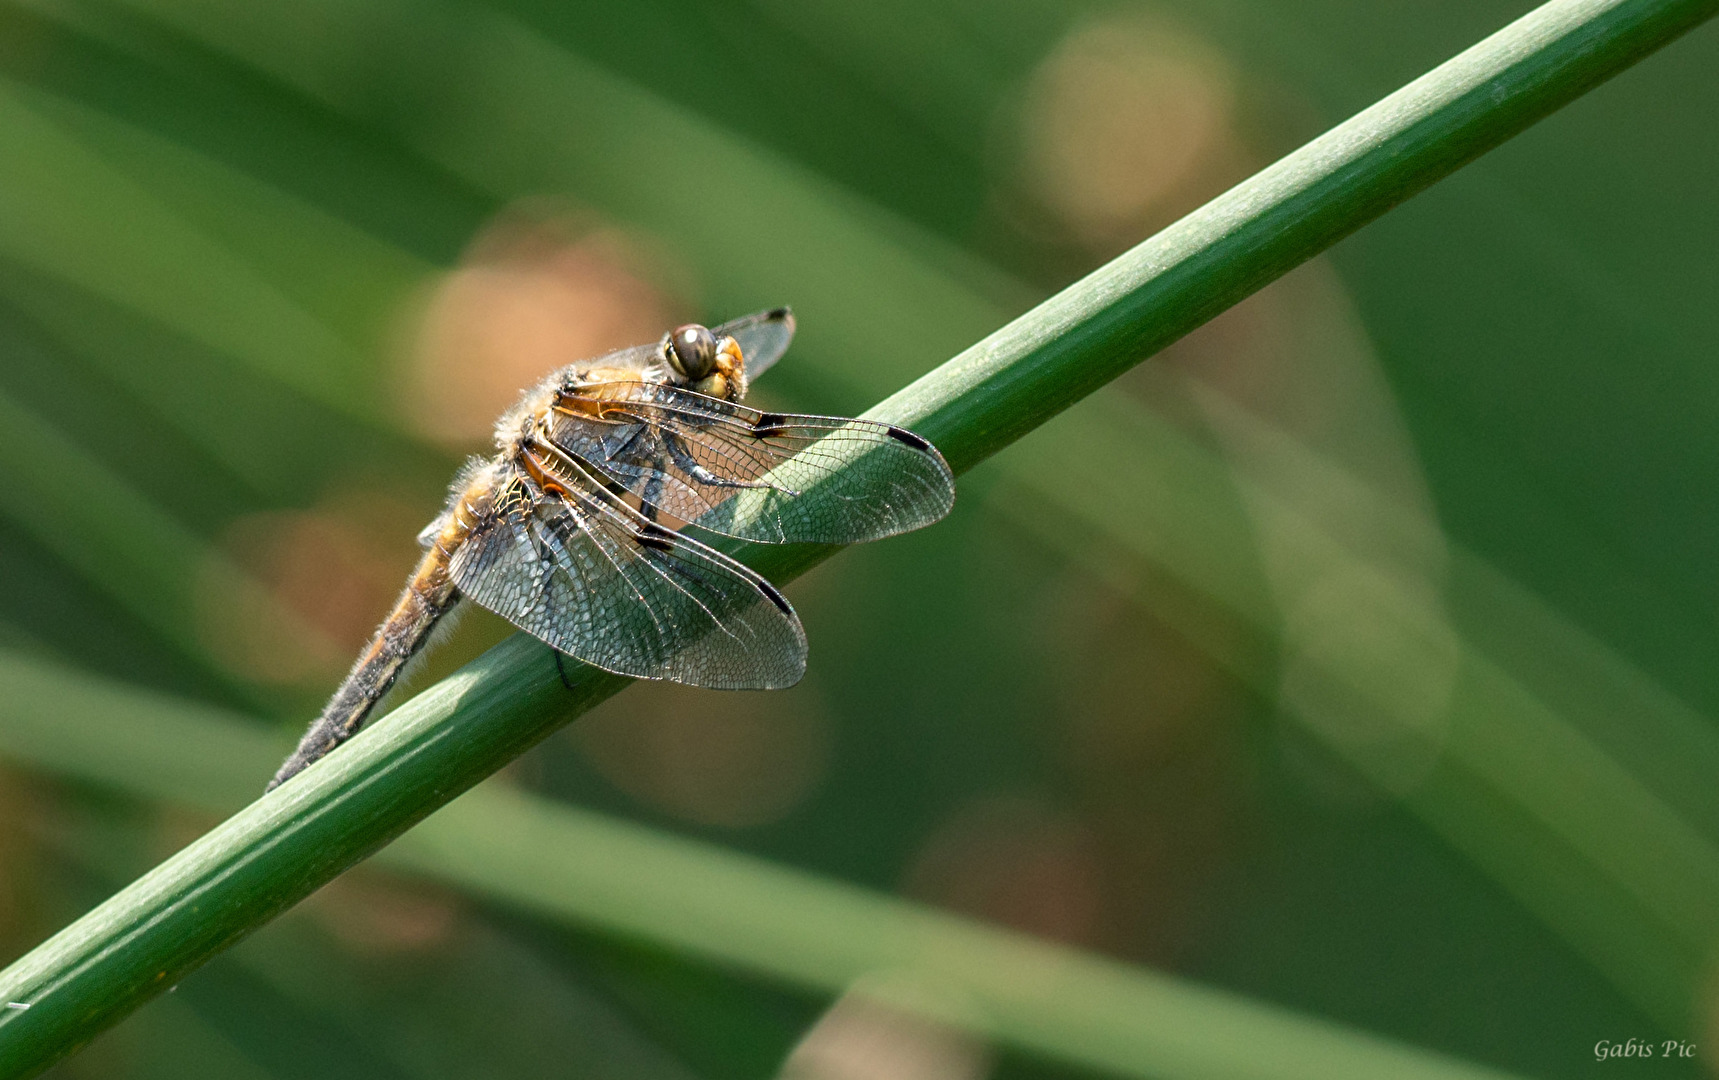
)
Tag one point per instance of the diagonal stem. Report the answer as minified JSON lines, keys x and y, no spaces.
{"x":278,"y":850}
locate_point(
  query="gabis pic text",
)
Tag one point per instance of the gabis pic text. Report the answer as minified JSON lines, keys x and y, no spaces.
{"x":1638,"y":1048}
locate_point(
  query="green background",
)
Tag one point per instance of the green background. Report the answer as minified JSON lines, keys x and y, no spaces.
{"x":1096,"y":703}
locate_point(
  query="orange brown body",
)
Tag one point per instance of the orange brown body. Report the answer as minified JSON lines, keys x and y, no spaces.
{"x":573,"y":530}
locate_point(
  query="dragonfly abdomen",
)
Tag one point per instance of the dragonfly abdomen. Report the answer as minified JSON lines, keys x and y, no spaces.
{"x":428,"y":596}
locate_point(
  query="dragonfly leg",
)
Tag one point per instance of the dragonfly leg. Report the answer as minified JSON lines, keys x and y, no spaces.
{"x":652,"y":493}
{"x":690,"y":465}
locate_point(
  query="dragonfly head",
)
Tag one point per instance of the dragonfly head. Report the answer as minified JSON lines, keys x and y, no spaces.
{"x":691,"y":351}
{"x":709,"y":365}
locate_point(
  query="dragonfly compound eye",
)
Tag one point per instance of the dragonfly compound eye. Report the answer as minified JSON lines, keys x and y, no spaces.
{"x":692,"y":351}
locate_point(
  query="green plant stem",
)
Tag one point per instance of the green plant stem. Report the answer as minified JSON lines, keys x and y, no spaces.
{"x":285,"y":845}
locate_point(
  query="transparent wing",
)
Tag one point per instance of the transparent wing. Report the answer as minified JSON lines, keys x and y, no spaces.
{"x":584,"y":572}
{"x":763,"y":337}
{"x":771,"y":477}
{"x":631,"y":358}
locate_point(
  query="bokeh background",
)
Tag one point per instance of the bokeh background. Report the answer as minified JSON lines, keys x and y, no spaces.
{"x":1356,"y":655}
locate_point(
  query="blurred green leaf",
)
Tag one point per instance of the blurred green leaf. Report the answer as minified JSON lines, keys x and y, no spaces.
{"x":77,"y":217}
{"x":139,"y":555}
{"x":530,"y":118}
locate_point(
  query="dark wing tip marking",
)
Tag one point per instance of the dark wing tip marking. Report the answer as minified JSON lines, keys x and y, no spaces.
{"x":652,"y":535}
{"x":774,"y":595}
{"x":908,"y":437}
{"x":782,"y":312}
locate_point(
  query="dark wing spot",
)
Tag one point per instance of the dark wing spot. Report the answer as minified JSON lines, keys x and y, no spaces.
{"x":652,"y":535}
{"x":774,"y":596}
{"x":777,"y":313}
{"x":908,"y":437}
{"x":768,"y":424}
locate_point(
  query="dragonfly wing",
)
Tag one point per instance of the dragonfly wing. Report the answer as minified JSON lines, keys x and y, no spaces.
{"x":763,"y":337}
{"x":639,"y":358}
{"x":769,"y":477}
{"x":588,"y":575}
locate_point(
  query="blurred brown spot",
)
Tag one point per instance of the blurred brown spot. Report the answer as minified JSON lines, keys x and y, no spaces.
{"x":1296,"y":354}
{"x":1247,"y":352}
{"x":862,"y":1039}
{"x":335,"y":569}
{"x":374,"y":912}
{"x":24,"y":805}
{"x":1018,"y":863}
{"x":1125,"y":126}
{"x":538,"y":292}
{"x":177,"y":827}
{"x":713,"y":757}
{"x":1153,"y":754}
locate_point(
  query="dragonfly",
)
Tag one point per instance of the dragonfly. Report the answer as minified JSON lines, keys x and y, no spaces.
{"x":576,"y":531}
